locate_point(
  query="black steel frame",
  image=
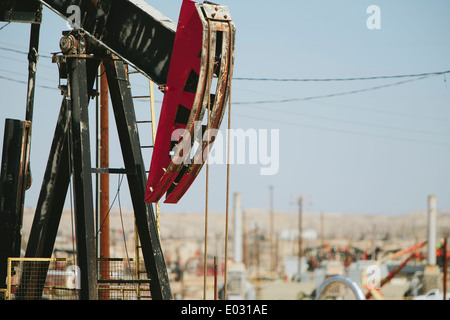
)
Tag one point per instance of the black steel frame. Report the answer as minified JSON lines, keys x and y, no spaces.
{"x":70,"y":155}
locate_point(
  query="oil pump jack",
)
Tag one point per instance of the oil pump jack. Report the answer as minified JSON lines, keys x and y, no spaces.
{"x":181,"y":58}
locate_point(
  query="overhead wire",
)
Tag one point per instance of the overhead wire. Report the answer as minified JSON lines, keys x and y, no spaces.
{"x":418,"y":77}
{"x":24,"y":52}
{"x":340,"y":130}
{"x":343,"y":79}
{"x":346,"y":106}
{"x":356,"y":122}
{"x":22,"y":60}
{"x":394,"y":113}
{"x":414,"y":76}
{"x":25,"y":82}
{"x":331,"y":95}
{"x":5,"y":25}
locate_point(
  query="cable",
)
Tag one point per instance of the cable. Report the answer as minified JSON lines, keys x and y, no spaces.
{"x":343,"y":79}
{"x":123,"y":231}
{"x":23,"y":52}
{"x":25,"y":82}
{"x":227,"y":195}
{"x":333,"y":104}
{"x":5,"y":25}
{"x":342,"y":131}
{"x":119,"y":183}
{"x":21,"y":61}
{"x":422,"y":117}
{"x":24,"y":75}
{"x":283,"y":79}
{"x":356,"y":122}
{"x":110,"y":207}
{"x":332,"y":94}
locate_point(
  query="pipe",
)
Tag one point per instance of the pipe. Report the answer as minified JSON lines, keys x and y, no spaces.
{"x":393,"y":273}
{"x":104,"y":180}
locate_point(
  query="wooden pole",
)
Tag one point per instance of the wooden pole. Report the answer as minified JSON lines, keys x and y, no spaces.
{"x":104,"y":178}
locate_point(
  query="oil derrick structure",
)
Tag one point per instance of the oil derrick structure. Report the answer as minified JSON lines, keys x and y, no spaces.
{"x":102,"y":35}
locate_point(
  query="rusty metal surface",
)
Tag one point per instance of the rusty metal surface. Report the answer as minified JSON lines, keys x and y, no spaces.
{"x":13,"y":182}
{"x":21,"y":11}
{"x":217,"y":56}
{"x":220,"y":42}
{"x":133,"y":30}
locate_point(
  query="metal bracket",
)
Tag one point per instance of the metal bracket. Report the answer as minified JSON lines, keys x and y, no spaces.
{"x":216,"y":12}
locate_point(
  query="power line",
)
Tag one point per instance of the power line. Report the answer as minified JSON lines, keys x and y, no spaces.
{"x":342,"y":131}
{"x":21,"y":61}
{"x":25,"y":82}
{"x":23,"y":52}
{"x":414,"y":75}
{"x":1,"y":28}
{"x":358,"y":123}
{"x":340,"y":105}
{"x":23,"y":75}
{"x":332,"y":94}
{"x":401,"y":114}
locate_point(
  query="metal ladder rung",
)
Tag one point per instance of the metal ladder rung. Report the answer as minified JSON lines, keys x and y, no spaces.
{"x":146,"y":147}
{"x":113,"y":170}
{"x":144,"y":121}
{"x":141,"y":97}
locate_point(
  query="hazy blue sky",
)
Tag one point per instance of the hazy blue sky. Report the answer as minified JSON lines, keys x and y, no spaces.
{"x":375,"y":151}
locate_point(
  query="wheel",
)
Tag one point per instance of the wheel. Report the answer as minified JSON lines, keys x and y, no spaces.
{"x":340,"y":288}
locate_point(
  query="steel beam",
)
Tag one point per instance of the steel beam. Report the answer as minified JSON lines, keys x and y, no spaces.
{"x":69,"y":154}
{"x":81,"y":168}
{"x":125,"y":118}
{"x":13,"y":181}
{"x":53,"y":191}
{"x":48,"y":210}
{"x":132,"y":29}
{"x":25,"y":11}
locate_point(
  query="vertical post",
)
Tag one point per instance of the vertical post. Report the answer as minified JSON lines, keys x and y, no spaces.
{"x":104,"y":179}
{"x":272,"y":251}
{"x":300,"y":235}
{"x":237,"y":243}
{"x":322,"y":236}
{"x":33,"y":56}
{"x":445,"y":268}
{"x":13,"y":178}
{"x":431,"y":273}
{"x":125,"y":117}
{"x":215,"y":278}
{"x":245,"y":259}
{"x":153,"y":119}
{"x":81,"y":168}
{"x":431,"y":255}
{"x":53,"y":191}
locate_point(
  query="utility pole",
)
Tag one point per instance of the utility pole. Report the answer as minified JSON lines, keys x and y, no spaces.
{"x":300,"y":233}
{"x":431,"y":273}
{"x":272,"y":247}
{"x":322,"y":236}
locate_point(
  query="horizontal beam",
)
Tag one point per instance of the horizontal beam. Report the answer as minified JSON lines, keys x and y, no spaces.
{"x":131,"y":29}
